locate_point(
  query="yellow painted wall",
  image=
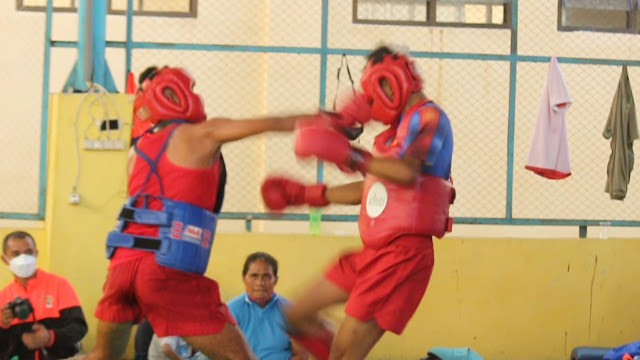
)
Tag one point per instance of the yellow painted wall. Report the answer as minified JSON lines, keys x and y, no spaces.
{"x":77,"y":232}
{"x":506,"y":298}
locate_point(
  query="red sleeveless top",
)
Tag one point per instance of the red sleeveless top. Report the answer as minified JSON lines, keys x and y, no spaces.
{"x":197,"y":186}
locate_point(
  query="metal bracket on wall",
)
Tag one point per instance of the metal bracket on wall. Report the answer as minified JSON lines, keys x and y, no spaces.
{"x":91,"y":65}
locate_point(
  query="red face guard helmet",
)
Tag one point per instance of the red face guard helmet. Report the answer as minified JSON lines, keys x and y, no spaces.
{"x":399,"y":71}
{"x":152,"y":95}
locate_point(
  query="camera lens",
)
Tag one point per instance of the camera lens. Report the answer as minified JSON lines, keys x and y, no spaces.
{"x":21,"y":308}
{"x":22,"y":311}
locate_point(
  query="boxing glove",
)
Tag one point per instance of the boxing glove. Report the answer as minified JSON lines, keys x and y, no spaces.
{"x":344,"y":125}
{"x":327,"y":144}
{"x":357,"y":110}
{"x":278,"y":192}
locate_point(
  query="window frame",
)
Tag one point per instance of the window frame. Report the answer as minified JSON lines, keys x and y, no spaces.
{"x":632,"y":22}
{"x":20,"y":6}
{"x":193,"y":9}
{"x":431,"y":18}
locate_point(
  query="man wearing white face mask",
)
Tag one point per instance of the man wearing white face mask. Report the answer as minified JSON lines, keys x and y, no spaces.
{"x":53,"y":325}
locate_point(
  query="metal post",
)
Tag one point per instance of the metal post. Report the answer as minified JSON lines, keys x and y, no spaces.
{"x":91,"y":65}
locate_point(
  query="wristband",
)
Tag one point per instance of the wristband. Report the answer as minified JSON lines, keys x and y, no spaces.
{"x":314,"y":195}
{"x":52,"y":340}
{"x":360,"y":160}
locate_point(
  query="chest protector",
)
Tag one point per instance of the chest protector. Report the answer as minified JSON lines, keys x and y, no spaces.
{"x":390,"y":209}
{"x":185,"y":231}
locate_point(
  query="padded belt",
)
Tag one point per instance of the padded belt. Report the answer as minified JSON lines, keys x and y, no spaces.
{"x":144,"y":216}
{"x":137,"y":242}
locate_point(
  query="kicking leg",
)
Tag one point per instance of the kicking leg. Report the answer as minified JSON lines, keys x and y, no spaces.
{"x":306,"y":327}
{"x":303,"y":317}
{"x":355,"y":339}
{"x":227,"y":344}
{"x":111,"y":341}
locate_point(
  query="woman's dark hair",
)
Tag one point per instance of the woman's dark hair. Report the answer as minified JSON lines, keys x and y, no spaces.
{"x":260,"y":256}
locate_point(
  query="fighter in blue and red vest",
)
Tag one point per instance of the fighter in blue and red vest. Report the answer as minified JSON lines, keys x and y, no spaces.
{"x":160,"y":249}
{"x":404,"y":201}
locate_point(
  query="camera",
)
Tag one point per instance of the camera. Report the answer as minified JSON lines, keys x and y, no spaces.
{"x":20,"y":307}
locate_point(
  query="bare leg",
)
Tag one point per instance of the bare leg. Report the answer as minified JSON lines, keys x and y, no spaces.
{"x":111,"y":341}
{"x":355,"y":339}
{"x":303,"y":314}
{"x":305,"y":326}
{"x":227,"y":344}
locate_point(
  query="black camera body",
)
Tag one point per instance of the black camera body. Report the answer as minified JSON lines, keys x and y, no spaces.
{"x":21,"y":308}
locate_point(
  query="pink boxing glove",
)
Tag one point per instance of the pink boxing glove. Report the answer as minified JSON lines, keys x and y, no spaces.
{"x":326,"y":143}
{"x":331,"y":119}
{"x":278,"y":192}
{"x":357,"y":110}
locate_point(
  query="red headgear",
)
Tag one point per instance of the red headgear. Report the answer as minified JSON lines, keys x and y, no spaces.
{"x":400,"y":73}
{"x":189,"y":106}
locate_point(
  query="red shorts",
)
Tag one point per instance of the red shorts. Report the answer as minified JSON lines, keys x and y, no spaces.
{"x":175,"y":302}
{"x":385,"y":284}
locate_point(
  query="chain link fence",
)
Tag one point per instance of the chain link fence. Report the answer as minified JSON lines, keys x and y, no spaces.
{"x":20,"y":138}
{"x":252,"y":58}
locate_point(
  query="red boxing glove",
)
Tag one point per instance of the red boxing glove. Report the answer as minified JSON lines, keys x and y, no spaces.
{"x":328,"y":144}
{"x":278,"y":192}
{"x":357,"y":110}
{"x":324,"y":119}
{"x":331,"y":119}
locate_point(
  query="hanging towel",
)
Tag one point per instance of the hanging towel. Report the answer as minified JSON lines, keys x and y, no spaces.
{"x":622,"y":129}
{"x":549,"y":151}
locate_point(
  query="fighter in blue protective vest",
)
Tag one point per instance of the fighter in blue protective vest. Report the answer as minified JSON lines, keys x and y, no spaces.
{"x":161,"y":246}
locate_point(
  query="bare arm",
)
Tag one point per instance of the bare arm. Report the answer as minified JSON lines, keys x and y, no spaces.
{"x":403,"y":171}
{"x":131,"y":160}
{"x":196,"y":145}
{"x":349,"y":194}
{"x":298,"y":352}
{"x":221,"y":130}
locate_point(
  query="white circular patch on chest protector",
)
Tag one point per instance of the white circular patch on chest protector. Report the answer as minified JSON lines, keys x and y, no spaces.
{"x":376,"y":200}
